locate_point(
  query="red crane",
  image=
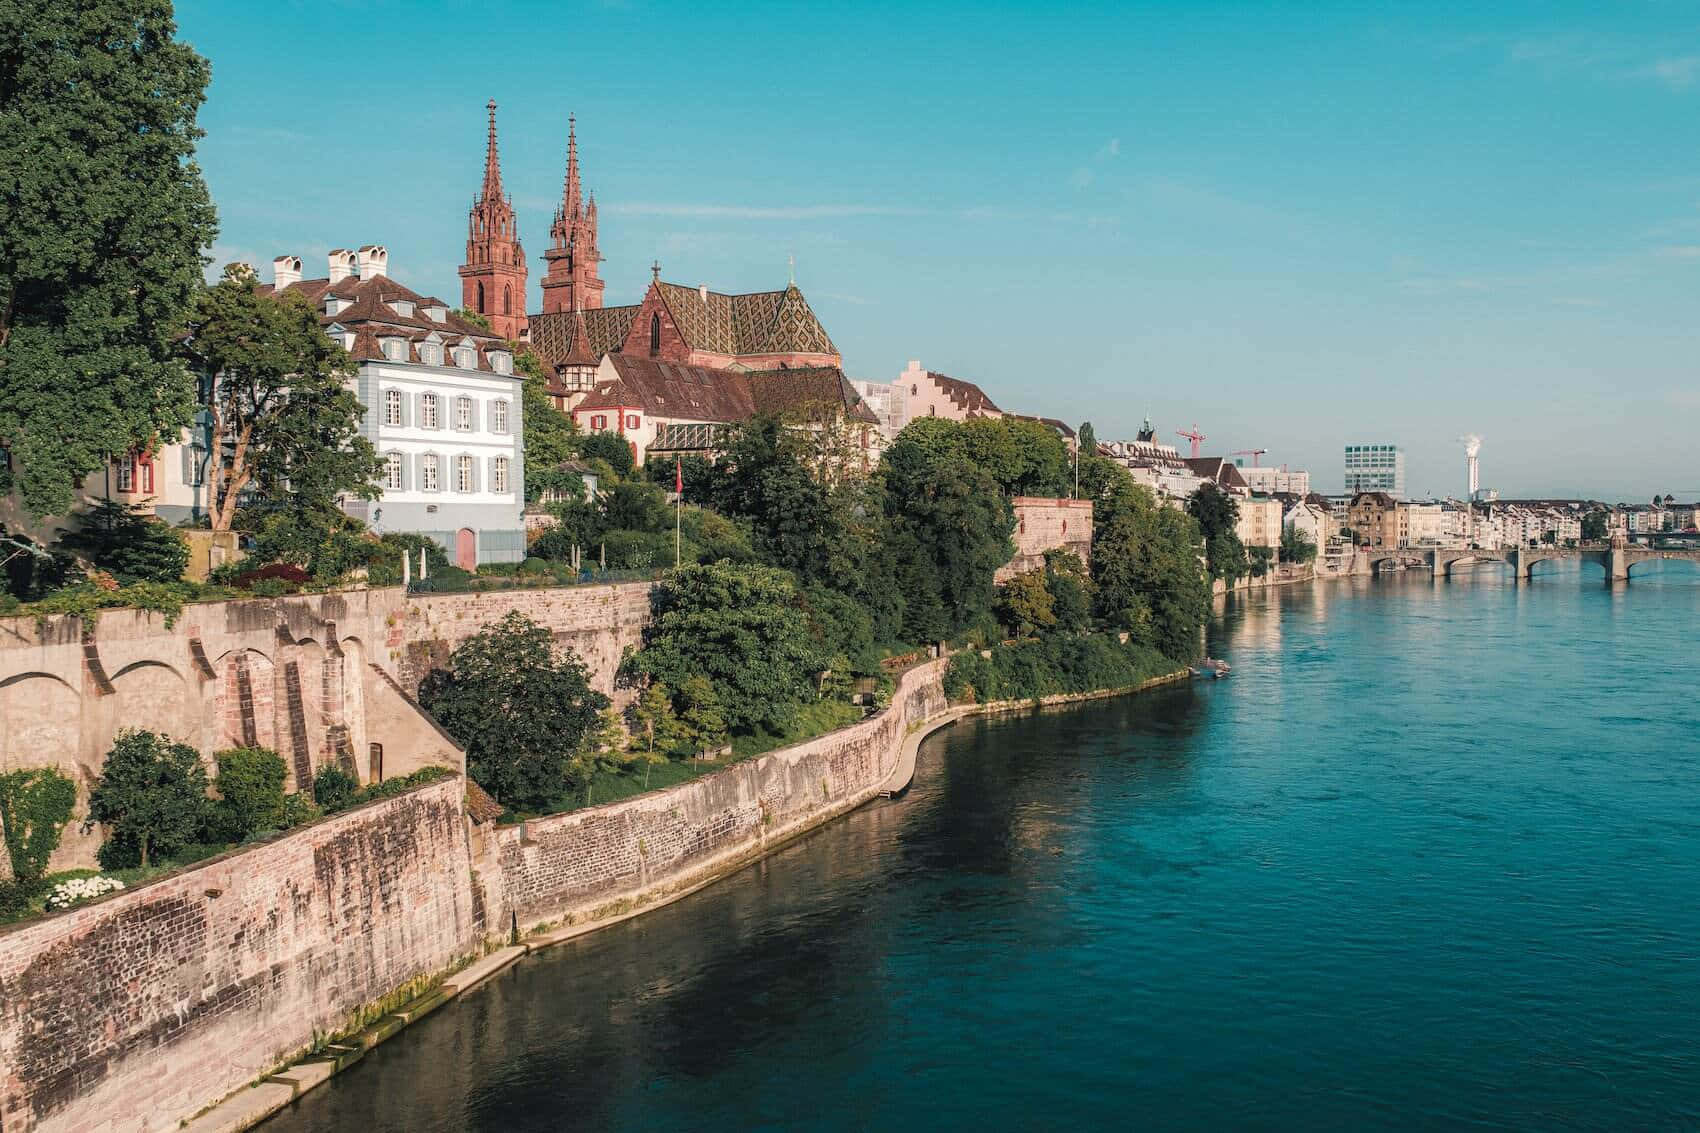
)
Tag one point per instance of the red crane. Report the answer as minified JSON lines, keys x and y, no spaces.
{"x":1192,"y":435}
{"x":1254,"y":453}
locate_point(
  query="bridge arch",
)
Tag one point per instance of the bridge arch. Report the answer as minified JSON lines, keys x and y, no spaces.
{"x":1636,"y":567}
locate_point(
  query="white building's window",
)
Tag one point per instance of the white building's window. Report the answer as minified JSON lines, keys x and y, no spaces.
{"x":428,"y":472}
{"x":431,"y":354}
{"x":502,"y":363}
{"x":392,"y":408}
{"x":499,"y":476}
{"x":499,"y":417}
{"x":466,"y":358}
{"x":127,"y":473}
{"x":392,"y":471}
{"x":395,"y":349}
{"x":428,"y":411}
{"x":463,"y":414}
{"x":463,"y":474}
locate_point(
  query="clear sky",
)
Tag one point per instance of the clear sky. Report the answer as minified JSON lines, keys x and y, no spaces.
{"x":1300,"y":226}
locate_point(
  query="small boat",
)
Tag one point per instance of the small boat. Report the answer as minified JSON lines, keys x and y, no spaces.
{"x":1211,"y":669}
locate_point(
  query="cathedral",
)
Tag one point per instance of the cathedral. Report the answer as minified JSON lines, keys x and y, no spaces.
{"x":672,"y":323}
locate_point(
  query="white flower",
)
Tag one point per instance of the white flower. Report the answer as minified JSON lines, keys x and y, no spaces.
{"x":79,"y":889}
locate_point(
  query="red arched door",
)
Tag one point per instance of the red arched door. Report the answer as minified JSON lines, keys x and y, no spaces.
{"x":466,"y":549}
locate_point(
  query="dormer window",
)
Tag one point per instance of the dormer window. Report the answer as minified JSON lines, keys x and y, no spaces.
{"x":466,"y":357}
{"x":402,"y":307}
{"x":395,"y":349}
{"x":436,"y":314}
{"x":501,"y":361}
{"x":335,"y":304}
{"x":431,"y":354}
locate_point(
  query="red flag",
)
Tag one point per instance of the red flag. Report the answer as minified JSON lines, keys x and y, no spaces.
{"x":678,"y":477}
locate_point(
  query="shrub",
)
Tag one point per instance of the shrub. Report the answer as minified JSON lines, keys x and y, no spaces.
{"x":1050,"y":666}
{"x":35,"y":805}
{"x":298,"y":810}
{"x":131,"y":545}
{"x":334,"y":789}
{"x":286,"y":573}
{"x":534,"y":565}
{"x":389,"y":788}
{"x":250,"y":788}
{"x":151,"y":797}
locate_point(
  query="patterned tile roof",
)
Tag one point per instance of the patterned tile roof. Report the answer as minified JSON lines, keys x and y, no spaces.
{"x":799,"y":390}
{"x":556,"y":336}
{"x":759,"y":322}
{"x":700,"y":393}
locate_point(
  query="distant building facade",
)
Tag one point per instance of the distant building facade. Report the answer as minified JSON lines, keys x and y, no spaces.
{"x":1375,"y":468}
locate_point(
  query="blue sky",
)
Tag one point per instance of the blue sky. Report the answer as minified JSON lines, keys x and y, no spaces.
{"x":1299,"y":226}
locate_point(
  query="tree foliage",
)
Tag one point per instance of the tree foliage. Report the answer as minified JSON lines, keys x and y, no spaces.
{"x":519,"y":709}
{"x":1024,"y":603}
{"x":102,"y":223}
{"x":151,"y":798}
{"x":611,"y":447}
{"x":743,"y":629}
{"x":1297,"y":546}
{"x":285,"y":424}
{"x":551,"y":438}
{"x":35,"y":805}
{"x":250,"y":793}
{"x":1147,"y":577}
{"x":129,"y":544}
{"x":1594,"y":527}
{"x":1217,"y":514}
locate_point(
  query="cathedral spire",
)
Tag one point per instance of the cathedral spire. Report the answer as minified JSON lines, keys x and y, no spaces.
{"x":572,"y":281}
{"x":570,"y":192}
{"x":492,"y":163}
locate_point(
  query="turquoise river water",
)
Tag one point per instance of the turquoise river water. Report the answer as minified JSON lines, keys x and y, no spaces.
{"x":1430,"y":859}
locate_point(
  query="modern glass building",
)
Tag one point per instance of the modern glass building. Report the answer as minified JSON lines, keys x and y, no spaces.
{"x":1375,"y":468}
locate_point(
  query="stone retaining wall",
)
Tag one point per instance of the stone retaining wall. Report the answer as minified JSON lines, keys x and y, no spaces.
{"x":605,"y":860}
{"x":137,"y":1011}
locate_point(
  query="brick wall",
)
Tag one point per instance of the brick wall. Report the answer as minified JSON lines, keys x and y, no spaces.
{"x":569,"y":866}
{"x":146,"y":1007}
{"x":1043,"y":524}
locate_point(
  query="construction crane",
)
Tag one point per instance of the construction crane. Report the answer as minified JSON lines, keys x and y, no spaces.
{"x":1254,"y":453}
{"x":1197,"y":438}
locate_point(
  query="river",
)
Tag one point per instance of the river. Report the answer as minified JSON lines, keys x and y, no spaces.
{"x":1430,"y":858}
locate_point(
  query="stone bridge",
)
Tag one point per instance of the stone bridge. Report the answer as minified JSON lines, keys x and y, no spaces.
{"x":1618,"y":563}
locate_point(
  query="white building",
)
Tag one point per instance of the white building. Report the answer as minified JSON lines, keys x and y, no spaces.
{"x":442,"y":408}
{"x":1269,"y":481}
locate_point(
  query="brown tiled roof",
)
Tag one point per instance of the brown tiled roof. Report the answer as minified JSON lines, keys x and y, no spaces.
{"x":1217,"y":468}
{"x":1380,"y":499}
{"x":1061,"y":428}
{"x":964,"y":395}
{"x":797,"y":391}
{"x":372,"y":316}
{"x":701,"y":393}
{"x":480,"y":807}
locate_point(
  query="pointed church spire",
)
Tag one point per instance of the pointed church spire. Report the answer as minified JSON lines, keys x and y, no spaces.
{"x":570,"y":192}
{"x":571,"y":281}
{"x":492,"y":163}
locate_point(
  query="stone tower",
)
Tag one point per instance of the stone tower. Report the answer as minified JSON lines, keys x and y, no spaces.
{"x":572,"y":281}
{"x":492,"y":280}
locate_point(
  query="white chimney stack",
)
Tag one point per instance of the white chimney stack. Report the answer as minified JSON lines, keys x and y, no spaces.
{"x":341,"y":264}
{"x":374,"y":259}
{"x":702,"y":292}
{"x":286,"y":270}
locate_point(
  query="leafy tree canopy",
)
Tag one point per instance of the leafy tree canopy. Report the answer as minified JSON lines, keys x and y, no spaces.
{"x":285,"y":424}
{"x":611,"y":447}
{"x":1145,"y":570}
{"x":744,"y":630}
{"x":102,"y":223}
{"x":151,"y":798}
{"x":521,"y":711}
{"x":131,"y":545}
{"x":551,"y":438}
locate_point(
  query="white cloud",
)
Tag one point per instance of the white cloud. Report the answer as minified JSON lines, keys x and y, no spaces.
{"x":759,"y":212}
{"x":1679,"y":251}
{"x":1677,"y":73}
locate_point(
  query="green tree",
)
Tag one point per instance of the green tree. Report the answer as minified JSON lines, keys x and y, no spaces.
{"x":765,"y":478}
{"x":702,"y":714}
{"x":551,"y":438}
{"x":1297,"y":546}
{"x":1594,"y":527}
{"x":1070,"y":587}
{"x":250,"y":793}
{"x":285,"y":420}
{"x":743,"y":629}
{"x":953,"y":527}
{"x":1146,"y":575}
{"x":102,"y":223}
{"x":334,"y":789}
{"x":1259,"y":560}
{"x":521,"y":711}
{"x":599,"y":752}
{"x":1024,"y":603}
{"x":35,"y":805}
{"x":132,"y":546}
{"x":1217,"y":515}
{"x":654,"y":719}
{"x":611,"y":447}
{"x":151,"y":798}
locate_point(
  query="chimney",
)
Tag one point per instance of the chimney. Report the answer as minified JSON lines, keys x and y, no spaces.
{"x":342,"y":264}
{"x":702,"y":292}
{"x":374,"y":260}
{"x":286,"y":270}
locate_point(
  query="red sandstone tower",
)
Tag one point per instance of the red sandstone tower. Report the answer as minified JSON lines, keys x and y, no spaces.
{"x":492,"y":280}
{"x":571,"y":282}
